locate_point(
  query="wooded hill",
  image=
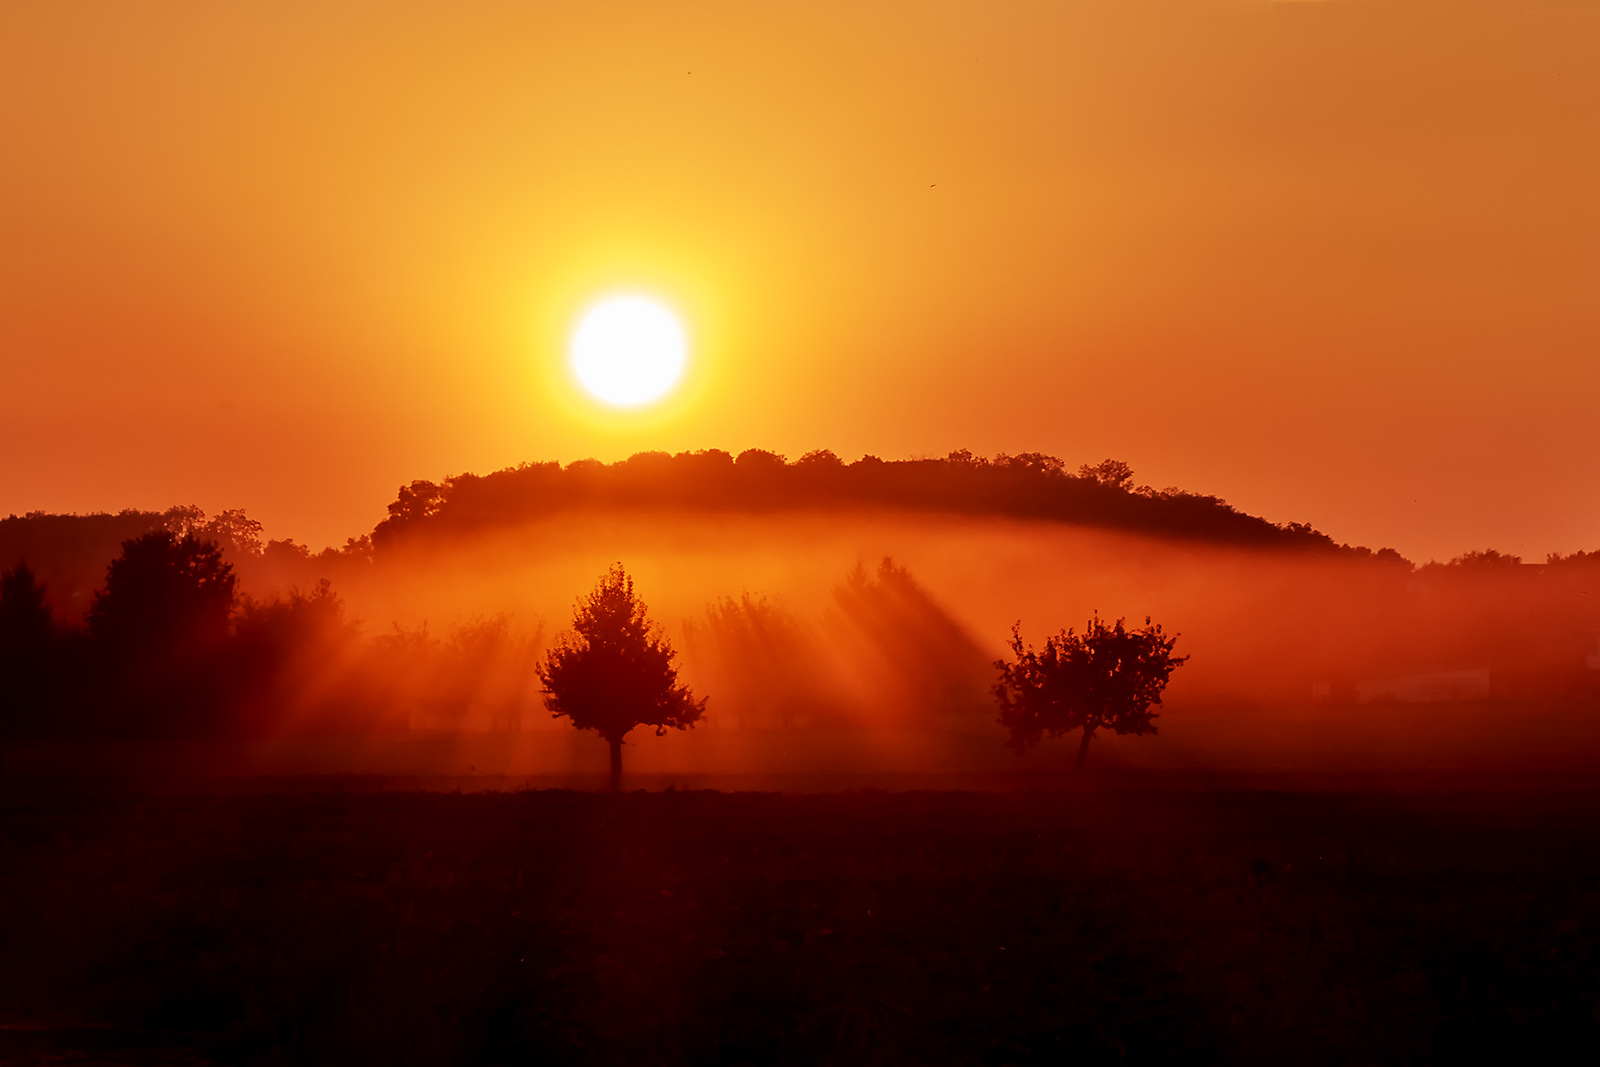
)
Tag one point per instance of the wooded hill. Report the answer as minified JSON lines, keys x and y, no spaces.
{"x":1029,"y":486}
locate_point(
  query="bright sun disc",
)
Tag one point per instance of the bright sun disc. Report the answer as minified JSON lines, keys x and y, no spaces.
{"x":628,"y":351}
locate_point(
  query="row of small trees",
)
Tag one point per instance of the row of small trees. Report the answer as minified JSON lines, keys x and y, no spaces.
{"x":168,"y":640}
{"x":169,"y":647}
{"x":613,"y":671}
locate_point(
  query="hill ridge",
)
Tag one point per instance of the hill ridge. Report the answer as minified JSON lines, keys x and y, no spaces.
{"x":1030,"y":485}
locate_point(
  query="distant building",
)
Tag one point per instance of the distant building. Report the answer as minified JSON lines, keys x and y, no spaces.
{"x":1426,"y":687}
{"x":1432,"y":687}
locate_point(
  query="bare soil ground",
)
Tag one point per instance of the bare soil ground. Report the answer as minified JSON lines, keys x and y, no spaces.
{"x":1094,"y":925}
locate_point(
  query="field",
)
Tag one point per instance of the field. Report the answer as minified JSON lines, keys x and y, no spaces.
{"x":1109,"y":921}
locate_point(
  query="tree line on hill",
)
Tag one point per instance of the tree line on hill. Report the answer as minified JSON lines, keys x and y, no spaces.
{"x":69,"y":552}
{"x":1030,"y":486}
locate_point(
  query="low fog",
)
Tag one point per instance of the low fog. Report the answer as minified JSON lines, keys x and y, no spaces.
{"x":863,"y":644}
{"x":845,"y":641}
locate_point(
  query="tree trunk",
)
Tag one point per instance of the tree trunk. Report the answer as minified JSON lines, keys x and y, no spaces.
{"x":616,"y":764}
{"x":1083,"y":746}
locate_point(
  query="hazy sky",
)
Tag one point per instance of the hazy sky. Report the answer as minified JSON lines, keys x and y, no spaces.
{"x":1336,"y":262}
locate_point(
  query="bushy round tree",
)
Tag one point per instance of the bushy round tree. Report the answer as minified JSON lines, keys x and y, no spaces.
{"x":164,"y":593}
{"x":1107,"y":676}
{"x":159,"y":631}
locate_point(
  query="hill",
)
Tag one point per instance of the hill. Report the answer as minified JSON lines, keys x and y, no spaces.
{"x":1029,"y":486}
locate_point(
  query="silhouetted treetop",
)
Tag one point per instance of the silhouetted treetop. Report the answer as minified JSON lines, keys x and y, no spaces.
{"x":1030,"y":485}
{"x":69,"y":552}
{"x":27,"y":635}
{"x":25,"y":622}
{"x":164,"y":591}
{"x":1112,"y":472}
{"x":1108,"y":676}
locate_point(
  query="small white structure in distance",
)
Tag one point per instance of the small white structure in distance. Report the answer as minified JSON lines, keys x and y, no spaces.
{"x":1432,"y":687}
{"x":1428,"y":687}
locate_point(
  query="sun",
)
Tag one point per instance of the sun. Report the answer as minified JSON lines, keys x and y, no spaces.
{"x":628,"y":351}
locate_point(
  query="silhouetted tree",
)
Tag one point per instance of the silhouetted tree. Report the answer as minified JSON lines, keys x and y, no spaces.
{"x":24,"y":616}
{"x":159,"y":627}
{"x":26,"y":633}
{"x":183,"y":519}
{"x":613,"y":671}
{"x":234,"y":532}
{"x":822,"y":458}
{"x":418,"y":501}
{"x":1107,"y":676}
{"x":69,"y":552}
{"x":1111,"y":472}
{"x":164,"y":589}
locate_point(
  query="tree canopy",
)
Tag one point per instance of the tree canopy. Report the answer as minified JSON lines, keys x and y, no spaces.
{"x":1030,"y":485}
{"x":613,"y":670}
{"x":164,"y":590}
{"x":1107,"y":676}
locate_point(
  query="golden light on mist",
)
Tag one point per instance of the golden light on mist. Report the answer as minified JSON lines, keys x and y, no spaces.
{"x":628,"y":351}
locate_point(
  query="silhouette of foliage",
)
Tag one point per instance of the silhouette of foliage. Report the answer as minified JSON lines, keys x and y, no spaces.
{"x":25,"y":622}
{"x":1030,"y":485}
{"x":1107,"y":676}
{"x":820,"y":458}
{"x":159,"y":630}
{"x":164,"y":589}
{"x":69,"y":552}
{"x":1112,"y":472}
{"x":183,"y":519}
{"x":27,"y":650}
{"x":234,"y":532}
{"x":613,"y":671}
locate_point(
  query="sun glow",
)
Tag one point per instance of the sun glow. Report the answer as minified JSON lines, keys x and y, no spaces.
{"x":628,"y":351}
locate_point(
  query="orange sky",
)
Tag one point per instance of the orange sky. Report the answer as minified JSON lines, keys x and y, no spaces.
{"x":1337,"y":262}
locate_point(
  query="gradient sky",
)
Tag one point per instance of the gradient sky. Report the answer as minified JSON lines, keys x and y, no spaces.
{"x":1337,"y":262}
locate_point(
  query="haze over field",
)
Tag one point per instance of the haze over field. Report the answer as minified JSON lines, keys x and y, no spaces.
{"x":847,"y":618}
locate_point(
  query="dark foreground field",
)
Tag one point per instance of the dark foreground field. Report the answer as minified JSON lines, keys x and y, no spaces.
{"x":1094,"y":925}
